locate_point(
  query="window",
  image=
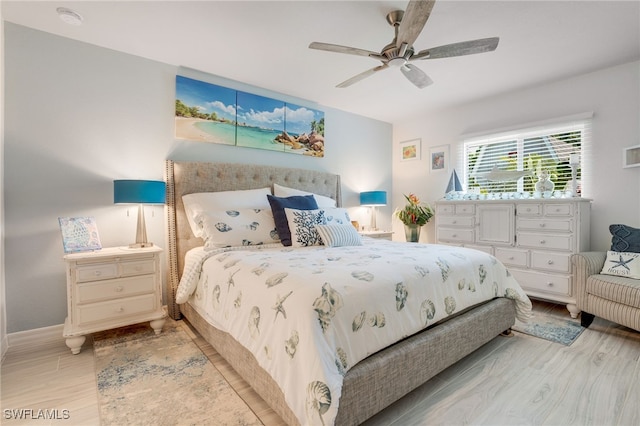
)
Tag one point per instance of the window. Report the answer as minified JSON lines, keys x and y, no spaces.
{"x":533,"y":150}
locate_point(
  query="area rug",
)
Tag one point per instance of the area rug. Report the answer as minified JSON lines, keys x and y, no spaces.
{"x":550,"y":328}
{"x":148,"y":379}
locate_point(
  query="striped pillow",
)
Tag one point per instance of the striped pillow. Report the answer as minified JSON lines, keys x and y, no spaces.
{"x":339,"y":235}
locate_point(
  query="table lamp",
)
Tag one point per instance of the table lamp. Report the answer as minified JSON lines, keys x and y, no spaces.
{"x":373,"y":199}
{"x":139,"y":192}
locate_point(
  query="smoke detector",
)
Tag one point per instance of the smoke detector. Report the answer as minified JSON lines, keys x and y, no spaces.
{"x":69,"y":16}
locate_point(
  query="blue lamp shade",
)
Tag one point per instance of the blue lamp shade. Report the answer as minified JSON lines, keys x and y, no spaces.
{"x":139,"y":191}
{"x":373,"y":198}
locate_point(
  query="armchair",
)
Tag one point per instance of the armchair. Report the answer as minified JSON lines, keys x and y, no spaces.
{"x":613,"y":298}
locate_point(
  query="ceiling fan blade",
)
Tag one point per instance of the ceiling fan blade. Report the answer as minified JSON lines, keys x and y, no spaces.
{"x":362,"y":76}
{"x":341,"y":49}
{"x":416,"y":76}
{"x":413,"y":21}
{"x":459,"y":49}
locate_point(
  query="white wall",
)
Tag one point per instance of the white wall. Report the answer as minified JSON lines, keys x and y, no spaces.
{"x":3,"y":312}
{"x":79,"y":116}
{"x":612,"y":94}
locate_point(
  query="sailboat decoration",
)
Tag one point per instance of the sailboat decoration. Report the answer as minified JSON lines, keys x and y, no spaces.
{"x":454,"y":183}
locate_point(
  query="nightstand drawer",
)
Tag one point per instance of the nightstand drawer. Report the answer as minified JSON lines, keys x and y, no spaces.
{"x":550,"y":261}
{"x":97,"y":271}
{"x":465,"y":209}
{"x":138,"y":268}
{"x":115,"y":289}
{"x":116,"y":309}
{"x":528,"y":209}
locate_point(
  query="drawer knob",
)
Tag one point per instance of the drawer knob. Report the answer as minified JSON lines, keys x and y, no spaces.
{"x":138,"y":268}
{"x":119,"y":289}
{"x":529,"y":209}
{"x":542,"y":241}
{"x":542,"y":225}
{"x":454,"y":235}
{"x":120,"y":309}
{"x":549,"y":262}
{"x":98,"y":273}
{"x":550,"y":284}
{"x":510,"y":257}
{"x":454,"y":222}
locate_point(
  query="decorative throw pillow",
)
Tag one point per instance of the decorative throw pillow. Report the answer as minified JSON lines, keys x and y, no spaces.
{"x":241,"y":227}
{"x":337,"y":216}
{"x":302,"y":224}
{"x":622,"y":264}
{"x":197,"y":203}
{"x":339,"y":235}
{"x":278,"y":204}
{"x":322,"y":200}
{"x":625,"y":238}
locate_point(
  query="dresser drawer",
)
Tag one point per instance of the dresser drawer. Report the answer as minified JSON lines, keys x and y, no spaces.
{"x":465,"y":209}
{"x":116,"y":309}
{"x":139,"y":267}
{"x":461,"y":235}
{"x":545,"y":241}
{"x":456,"y":220}
{"x":558,"y":209}
{"x":445,"y":209}
{"x":96,"y":271}
{"x":558,"y":225}
{"x":115,"y":289}
{"x":529,"y":209}
{"x":556,"y":262}
{"x":512,"y":257}
{"x":541,"y":282}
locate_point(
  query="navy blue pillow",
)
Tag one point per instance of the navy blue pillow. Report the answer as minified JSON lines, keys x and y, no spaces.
{"x":278,"y":204}
{"x":625,"y":238}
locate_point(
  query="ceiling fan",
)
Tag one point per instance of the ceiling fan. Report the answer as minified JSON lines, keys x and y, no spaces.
{"x":400,"y":52}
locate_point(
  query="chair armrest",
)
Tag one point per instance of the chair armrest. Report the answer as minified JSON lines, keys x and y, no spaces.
{"x":584,"y":265}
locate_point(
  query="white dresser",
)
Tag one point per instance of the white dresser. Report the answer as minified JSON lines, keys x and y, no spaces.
{"x":110,"y":288}
{"x":534,"y":238}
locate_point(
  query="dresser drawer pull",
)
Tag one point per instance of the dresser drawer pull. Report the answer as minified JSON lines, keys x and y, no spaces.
{"x":97,"y":273}
{"x":511,"y":257}
{"x":542,"y":225}
{"x":454,"y":235}
{"x":454,"y":222}
{"x":119,"y":289}
{"x":550,"y":284}
{"x":120,"y":309}
{"x":529,"y":209}
{"x":542,"y":241}
{"x":549,"y":262}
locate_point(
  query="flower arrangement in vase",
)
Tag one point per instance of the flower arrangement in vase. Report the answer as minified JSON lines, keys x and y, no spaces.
{"x":414,"y":215}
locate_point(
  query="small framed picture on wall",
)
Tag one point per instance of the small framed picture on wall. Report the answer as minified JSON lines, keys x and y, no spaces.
{"x":439,"y":158}
{"x":410,"y":150}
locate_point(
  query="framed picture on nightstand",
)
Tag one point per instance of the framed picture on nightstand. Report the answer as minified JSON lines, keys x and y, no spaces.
{"x":79,"y":234}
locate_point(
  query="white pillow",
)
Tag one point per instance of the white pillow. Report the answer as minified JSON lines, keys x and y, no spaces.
{"x":339,"y":235}
{"x":622,"y":264}
{"x":283,"y":191}
{"x":337,"y":216}
{"x":197,"y":203}
{"x":240,"y":227}
{"x":302,"y":224}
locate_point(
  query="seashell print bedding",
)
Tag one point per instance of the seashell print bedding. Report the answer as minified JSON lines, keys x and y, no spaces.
{"x":308,"y":314}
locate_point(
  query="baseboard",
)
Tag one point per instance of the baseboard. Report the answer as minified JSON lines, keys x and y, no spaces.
{"x":44,"y":336}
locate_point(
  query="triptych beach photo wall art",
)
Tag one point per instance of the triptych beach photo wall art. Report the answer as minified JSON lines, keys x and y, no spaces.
{"x":207,"y":112}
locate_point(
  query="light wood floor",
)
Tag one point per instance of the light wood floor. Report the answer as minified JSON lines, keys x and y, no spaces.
{"x":511,"y":380}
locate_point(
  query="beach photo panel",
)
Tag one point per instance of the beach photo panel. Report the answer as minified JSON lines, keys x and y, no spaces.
{"x":260,"y":120}
{"x":304,"y":130}
{"x":205,"y":112}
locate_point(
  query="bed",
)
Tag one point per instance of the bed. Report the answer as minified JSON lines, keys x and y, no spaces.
{"x":363,"y":378}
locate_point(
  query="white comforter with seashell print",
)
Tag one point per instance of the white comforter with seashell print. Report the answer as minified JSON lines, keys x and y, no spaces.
{"x":309,"y":314}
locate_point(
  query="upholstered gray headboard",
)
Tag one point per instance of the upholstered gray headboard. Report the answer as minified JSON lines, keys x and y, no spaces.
{"x":190,"y":177}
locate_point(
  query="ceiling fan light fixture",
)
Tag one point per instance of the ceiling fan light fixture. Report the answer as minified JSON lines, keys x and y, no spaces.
{"x":69,"y":16}
{"x":397,"y":62}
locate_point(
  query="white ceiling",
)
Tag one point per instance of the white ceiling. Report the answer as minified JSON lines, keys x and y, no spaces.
{"x":265,"y":44}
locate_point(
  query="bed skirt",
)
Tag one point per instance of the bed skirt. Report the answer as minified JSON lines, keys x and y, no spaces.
{"x":384,"y":377}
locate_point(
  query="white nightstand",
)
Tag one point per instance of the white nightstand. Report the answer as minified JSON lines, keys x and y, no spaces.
{"x":385,"y":235}
{"x":111,"y":288}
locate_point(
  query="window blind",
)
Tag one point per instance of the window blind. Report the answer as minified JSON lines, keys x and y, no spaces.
{"x":534,"y":149}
